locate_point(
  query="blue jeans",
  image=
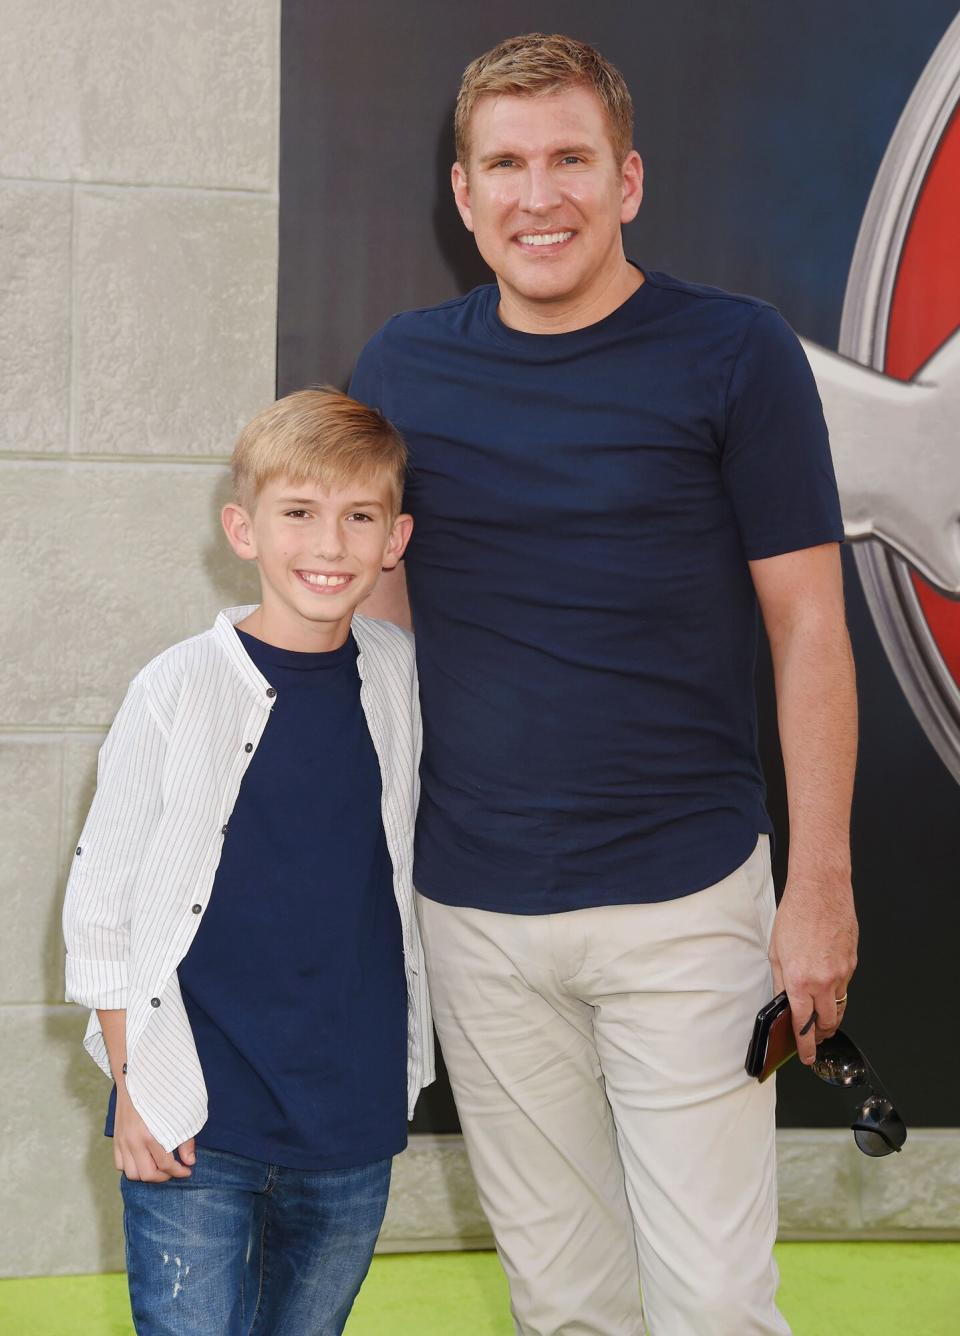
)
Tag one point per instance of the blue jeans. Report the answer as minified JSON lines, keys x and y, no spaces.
{"x":243,"y":1248}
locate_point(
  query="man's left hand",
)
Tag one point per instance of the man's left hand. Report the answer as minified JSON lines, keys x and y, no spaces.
{"x":813,"y":954}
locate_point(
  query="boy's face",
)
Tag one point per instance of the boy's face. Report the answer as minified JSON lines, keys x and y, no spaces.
{"x":319,"y":554}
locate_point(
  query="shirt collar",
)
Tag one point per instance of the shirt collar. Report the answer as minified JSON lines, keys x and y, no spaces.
{"x":229,"y":641}
{"x":223,"y":629}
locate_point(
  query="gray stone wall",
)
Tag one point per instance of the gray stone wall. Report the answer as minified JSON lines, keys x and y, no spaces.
{"x":138,"y":282}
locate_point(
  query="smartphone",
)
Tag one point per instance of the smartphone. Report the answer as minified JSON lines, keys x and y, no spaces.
{"x":773,"y":1042}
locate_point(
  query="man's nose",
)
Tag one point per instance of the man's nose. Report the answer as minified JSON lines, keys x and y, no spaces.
{"x":539,"y":192}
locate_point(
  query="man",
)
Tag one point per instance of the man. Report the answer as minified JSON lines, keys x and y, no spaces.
{"x":609,"y":470}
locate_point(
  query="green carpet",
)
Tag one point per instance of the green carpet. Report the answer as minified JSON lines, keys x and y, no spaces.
{"x":827,"y":1289}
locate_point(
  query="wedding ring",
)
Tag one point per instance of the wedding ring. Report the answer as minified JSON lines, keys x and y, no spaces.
{"x":838,"y":1000}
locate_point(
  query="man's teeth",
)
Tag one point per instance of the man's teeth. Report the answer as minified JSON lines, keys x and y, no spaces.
{"x":546,"y":238}
{"x":324,"y":579}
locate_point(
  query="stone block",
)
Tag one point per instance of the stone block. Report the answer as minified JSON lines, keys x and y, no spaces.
{"x":31,"y":944}
{"x":433,"y":1199}
{"x":63,"y":1207}
{"x":105,"y":566}
{"x":818,"y":1182}
{"x":175,"y":320}
{"x":919,"y":1189}
{"x":35,"y":223}
{"x":128,"y":91}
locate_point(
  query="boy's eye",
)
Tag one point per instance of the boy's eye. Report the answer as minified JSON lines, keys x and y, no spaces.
{"x":359,"y":515}
{"x":295,"y":514}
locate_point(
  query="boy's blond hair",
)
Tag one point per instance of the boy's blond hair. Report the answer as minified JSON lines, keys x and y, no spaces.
{"x":539,"y":63}
{"x":321,"y":436}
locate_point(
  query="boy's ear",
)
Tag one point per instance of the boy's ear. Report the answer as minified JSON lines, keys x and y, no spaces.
{"x":238,"y":527}
{"x":398,"y":540}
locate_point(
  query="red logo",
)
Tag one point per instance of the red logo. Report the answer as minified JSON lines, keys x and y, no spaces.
{"x":892,"y":400}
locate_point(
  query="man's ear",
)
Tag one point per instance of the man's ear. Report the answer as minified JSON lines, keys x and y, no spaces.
{"x":461,"y":194}
{"x":238,"y":526}
{"x":397,"y":541}
{"x":631,"y":176}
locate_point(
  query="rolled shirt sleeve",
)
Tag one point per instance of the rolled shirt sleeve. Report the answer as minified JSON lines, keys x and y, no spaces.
{"x":119,"y":827}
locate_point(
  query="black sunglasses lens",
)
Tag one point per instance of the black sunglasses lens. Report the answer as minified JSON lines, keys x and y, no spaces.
{"x":872,"y":1143}
{"x":878,"y":1129}
{"x":839,"y":1062}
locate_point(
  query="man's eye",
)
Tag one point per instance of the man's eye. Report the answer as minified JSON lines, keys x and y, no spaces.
{"x":503,"y":162}
{"x":571,"y":157}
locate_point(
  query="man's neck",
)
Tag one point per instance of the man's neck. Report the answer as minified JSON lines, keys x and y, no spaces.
{"x":570,"y":313}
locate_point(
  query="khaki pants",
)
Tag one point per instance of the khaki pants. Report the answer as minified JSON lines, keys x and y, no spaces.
{"x":596,"y":1058}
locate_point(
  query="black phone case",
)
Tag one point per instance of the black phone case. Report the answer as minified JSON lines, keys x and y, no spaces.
{"x":772,"y":1042}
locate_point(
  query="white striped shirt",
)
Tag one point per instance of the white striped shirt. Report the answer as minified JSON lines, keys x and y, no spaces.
{"x":167,"y":779}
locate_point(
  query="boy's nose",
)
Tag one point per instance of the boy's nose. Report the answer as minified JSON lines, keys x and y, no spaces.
{"x":328,"y":544}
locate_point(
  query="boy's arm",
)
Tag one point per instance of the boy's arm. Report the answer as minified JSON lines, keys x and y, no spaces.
{"x":136,"y":1153}
{"x":119,"y":827}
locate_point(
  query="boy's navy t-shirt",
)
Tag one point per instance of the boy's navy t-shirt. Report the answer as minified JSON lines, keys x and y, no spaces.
{"x":586,"y":505}
{"x":294,"y":984}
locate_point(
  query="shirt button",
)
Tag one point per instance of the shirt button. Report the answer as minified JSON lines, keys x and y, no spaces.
{"x":223,"y":830}
{"x":271,"y":691}
{"x":154,"y":1001}
{"x":196,"y":909}
{"x":79,"y":850}
{"x":248,"y":746}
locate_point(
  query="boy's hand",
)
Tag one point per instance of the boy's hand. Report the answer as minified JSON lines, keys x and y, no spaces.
{"x":138,"y":1154}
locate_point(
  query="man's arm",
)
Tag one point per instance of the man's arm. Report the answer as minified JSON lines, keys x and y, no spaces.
{"x":388,"y":598}
{"x":813,"y":951}
{"x":136,"y":1153}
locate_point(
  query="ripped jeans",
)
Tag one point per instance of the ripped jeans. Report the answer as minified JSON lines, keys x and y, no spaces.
{"x":243,"y":1248}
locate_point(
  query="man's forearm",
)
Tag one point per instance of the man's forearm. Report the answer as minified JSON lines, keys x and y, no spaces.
{"x":817,"y":715}
{"x":388,"y":598}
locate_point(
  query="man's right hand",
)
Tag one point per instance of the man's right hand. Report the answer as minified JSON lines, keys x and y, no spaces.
{"x":138,"y":1154}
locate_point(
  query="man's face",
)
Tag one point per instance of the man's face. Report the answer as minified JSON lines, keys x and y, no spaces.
{"x":544,"y":195}
{"x":319,"y":555}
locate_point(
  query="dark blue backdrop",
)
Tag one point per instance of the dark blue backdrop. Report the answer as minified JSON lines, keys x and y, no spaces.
{"x":761,"y":127}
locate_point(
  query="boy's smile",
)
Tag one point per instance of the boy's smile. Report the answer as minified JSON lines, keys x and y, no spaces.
{"x":319,"y":554}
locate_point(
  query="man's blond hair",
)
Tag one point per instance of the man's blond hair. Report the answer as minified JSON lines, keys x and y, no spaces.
{"x":540,"y":63}
{"x":319,"y":436}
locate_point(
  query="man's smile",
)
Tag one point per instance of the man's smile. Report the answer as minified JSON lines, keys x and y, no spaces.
{"x":544,"y":240}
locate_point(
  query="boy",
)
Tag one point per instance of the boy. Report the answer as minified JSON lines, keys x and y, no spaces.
{"x":232,"y":912}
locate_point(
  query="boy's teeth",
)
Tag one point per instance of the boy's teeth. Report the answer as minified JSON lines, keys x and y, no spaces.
{"x":323,"y":579}
{"x":546,"y":239}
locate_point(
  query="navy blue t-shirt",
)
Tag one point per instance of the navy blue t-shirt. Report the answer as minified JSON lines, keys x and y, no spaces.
{"x":294,"y":984}
{"x":585,"y":505}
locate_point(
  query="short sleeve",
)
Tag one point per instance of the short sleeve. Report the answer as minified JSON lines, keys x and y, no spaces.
{"x":366,"y":383}
{"x":775,"y":459}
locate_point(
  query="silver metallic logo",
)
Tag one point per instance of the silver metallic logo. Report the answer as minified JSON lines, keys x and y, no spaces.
{"x":892,"y":400}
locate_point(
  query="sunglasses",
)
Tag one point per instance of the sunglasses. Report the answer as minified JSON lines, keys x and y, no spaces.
{"x":877,"y":1127}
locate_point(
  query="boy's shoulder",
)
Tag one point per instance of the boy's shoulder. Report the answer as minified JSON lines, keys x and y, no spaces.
{"x":162,"y":678}
{"x":384,"y":641}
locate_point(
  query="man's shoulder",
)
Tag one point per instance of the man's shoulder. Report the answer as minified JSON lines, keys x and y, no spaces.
{"x":736,"y":306}
{"x":444,"y":317}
